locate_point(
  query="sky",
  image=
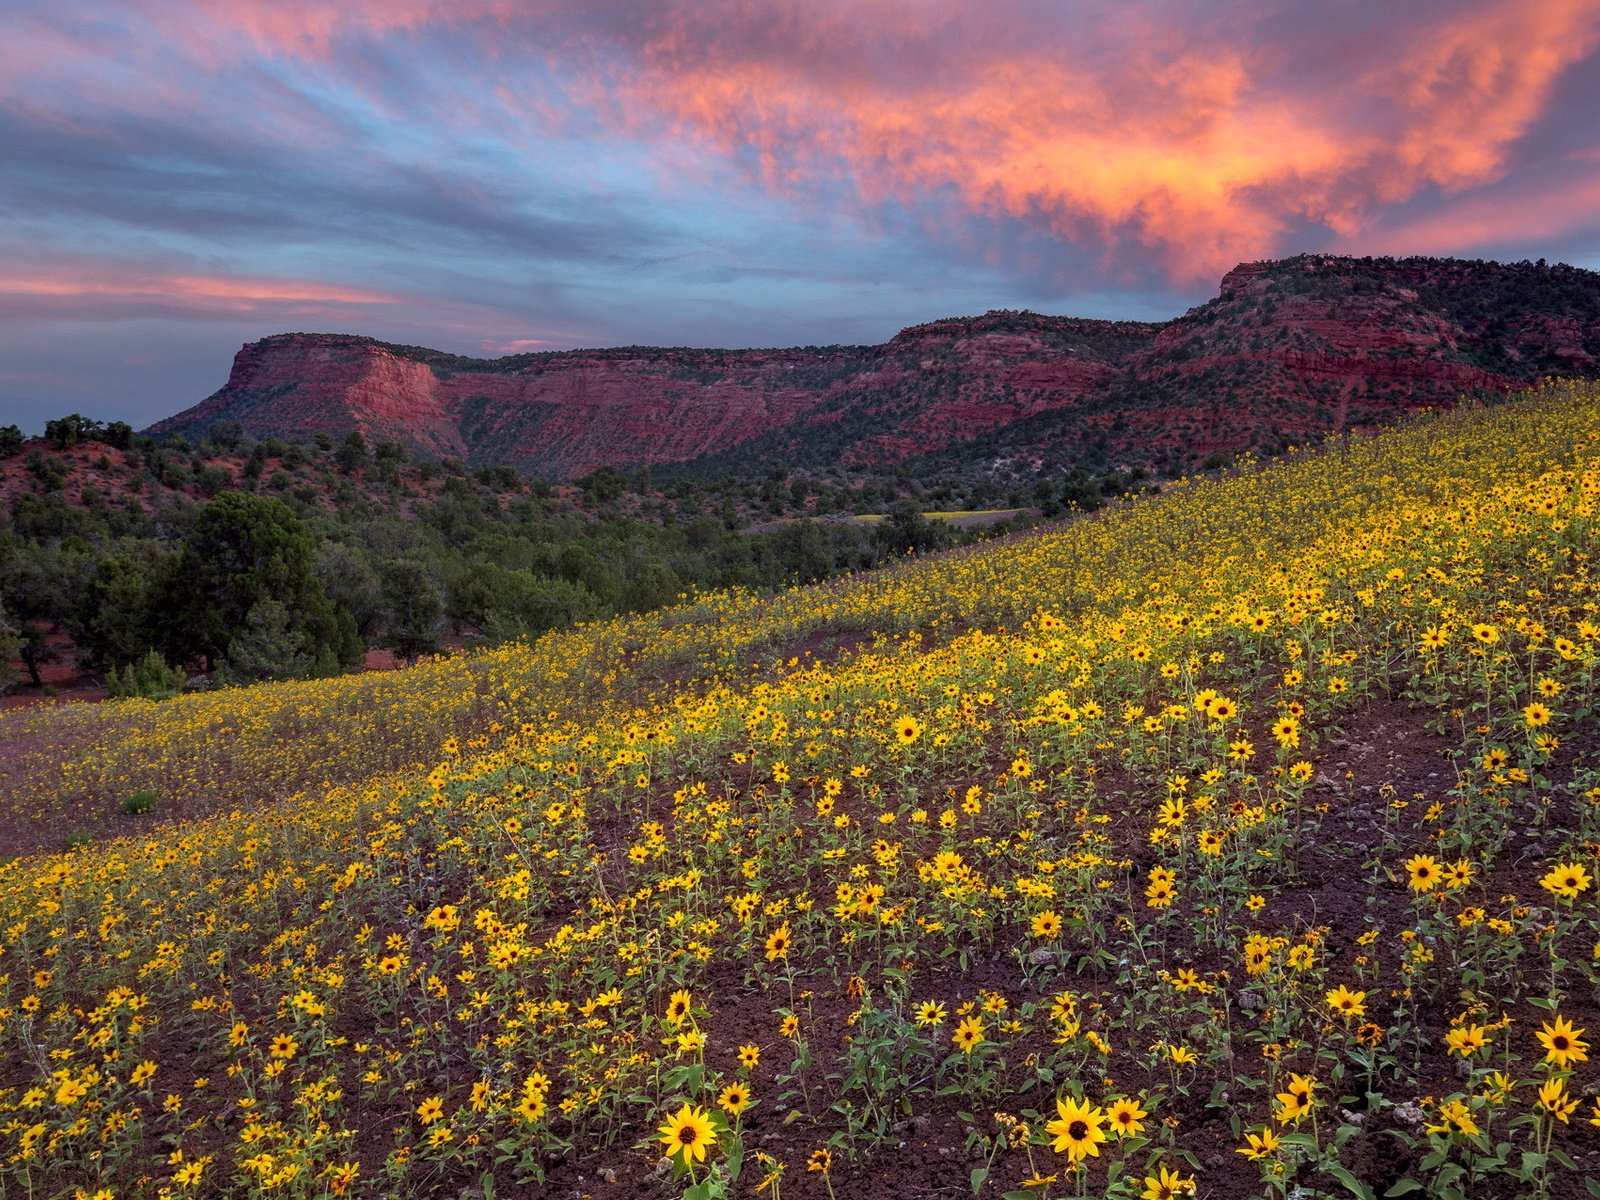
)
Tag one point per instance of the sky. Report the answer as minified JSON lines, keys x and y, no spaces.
{"x":178,"y":177}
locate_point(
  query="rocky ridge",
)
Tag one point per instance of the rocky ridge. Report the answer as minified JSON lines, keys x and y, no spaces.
{"x":1288,"y":349}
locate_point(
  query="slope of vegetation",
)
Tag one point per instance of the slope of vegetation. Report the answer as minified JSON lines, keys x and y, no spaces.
{"x":1255,"y":817}
{"x":272,"y":560}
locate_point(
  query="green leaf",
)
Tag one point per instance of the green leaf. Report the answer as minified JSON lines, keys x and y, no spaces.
{"x":1353,"y":1185}
{"x":1449,"y":1173}
{"x":979,"y":1174}
{"x":1404,"y":1188}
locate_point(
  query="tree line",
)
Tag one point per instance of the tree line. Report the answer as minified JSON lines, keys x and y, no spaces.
{"x":248,"y":560}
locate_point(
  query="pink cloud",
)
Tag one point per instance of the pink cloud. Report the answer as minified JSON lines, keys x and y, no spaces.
{"x":1195,"y":134}
{"x":1543,"y":211}
{"x":64,"y":288}
{"x":1188,"y":142}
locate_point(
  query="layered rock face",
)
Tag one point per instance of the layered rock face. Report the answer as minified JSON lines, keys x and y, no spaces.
{"x":1287,"y":348}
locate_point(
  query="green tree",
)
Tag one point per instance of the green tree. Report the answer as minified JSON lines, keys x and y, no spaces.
{"x":352,"y":453}
{"x":414,"y":607}
{"x":908,"y":529}
{"x":242,"y":550}
{"x":10,"y":648}
{"x":70,"y":430}
{"x":113,"y":621}
{"x":267,"y":646}
{"x":36,"y":650}
{"x":351,"y":586}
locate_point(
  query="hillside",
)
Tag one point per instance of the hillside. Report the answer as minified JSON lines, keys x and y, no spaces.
{"x":1236,"y":842}
{"x":1286,"y":351}
{"x":105,"y":559}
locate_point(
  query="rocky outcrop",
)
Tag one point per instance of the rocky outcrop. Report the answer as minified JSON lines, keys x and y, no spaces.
{"x":1286,"y":348}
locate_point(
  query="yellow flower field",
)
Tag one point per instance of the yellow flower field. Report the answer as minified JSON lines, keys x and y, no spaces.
{"x":1260,"y":815}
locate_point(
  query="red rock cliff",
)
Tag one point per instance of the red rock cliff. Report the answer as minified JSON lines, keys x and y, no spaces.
{"x":1286,"y":348}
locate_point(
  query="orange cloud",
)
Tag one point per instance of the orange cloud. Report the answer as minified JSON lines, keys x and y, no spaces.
{"x":1194,"y":132}
{"x":238,"y":293}
{"x":1202,"y":149}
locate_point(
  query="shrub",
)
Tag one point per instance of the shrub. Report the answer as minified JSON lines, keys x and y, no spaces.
{"x":150,"y":677}
{"x":138,"y":804}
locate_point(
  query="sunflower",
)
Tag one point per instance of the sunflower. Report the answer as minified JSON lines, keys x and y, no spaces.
{"x":1569,"y":881}
{"x":1455,"y":1117}
{"x":1297,"y":1101}
{"x":967,"y":1035}
{"x":1159,"y":895}
{"x":1346,"y":1003}
{"x":283,"y":1046}
{"x":1424,"y":872}
{"x":1077,"y":1130}
{"x":1466,"y":1040}
{"x":778,"y":943}
{"x":930,"y":1013}
{"x":1047,"y":924}
{"x":734,"y":1098}
{"x":688,"y":1134}
{"x":1555,"y":1099}
{"x":1259,"y":1145}
{"x":1563,"y":1044}
{"x":678,"y":1006}
{"x":1495,"y":759}
{"x":789,"y":1027}
{"x":1487,"y":634}
{"x":907,"y":730}
{"x":1166,"y":1184}
{"x":820,"y":1160}
{"x":430,"y":1110}
{"x":1126,"y":1117}
{"x":1458,"y":874}
{"x":1536,"y":714}
{"x":749,"y":1056}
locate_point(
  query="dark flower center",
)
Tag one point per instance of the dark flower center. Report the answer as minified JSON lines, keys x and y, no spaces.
{"x":1078,"y":1130}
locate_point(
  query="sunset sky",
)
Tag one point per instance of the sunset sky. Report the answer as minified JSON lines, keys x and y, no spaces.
{"x":494,"y":176}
